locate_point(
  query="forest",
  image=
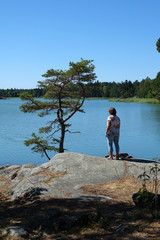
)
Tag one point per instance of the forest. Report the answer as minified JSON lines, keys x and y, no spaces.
{"x":147,"y":88}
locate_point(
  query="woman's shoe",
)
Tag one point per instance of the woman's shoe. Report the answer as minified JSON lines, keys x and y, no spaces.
{"x":109,"y":158}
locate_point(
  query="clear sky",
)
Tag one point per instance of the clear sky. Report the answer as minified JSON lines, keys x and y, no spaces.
{"x":37,"y":35}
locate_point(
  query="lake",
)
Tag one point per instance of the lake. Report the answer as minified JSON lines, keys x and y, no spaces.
{"x":140,"y":131}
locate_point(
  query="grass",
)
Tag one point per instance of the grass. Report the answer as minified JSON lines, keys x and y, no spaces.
{"x":96,"y":98}
{"x":136,"y":100}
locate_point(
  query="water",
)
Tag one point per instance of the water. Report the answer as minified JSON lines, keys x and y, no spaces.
{"x":140,"y":131}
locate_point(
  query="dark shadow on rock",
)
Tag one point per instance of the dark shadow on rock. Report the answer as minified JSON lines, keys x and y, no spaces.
{"x":129,"y":158}
{"x":98,"y":198}
{"x":33,"y":193}
{"x":140,"y":160}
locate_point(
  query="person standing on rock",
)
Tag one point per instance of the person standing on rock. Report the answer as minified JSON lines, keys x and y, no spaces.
{"x":112,"y":132}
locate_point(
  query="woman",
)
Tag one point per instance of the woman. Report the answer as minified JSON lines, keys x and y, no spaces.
{"x":112,"y":132}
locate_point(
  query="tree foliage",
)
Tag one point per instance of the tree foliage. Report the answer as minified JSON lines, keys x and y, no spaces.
{"x":158,"y":45}
{"x":64,"y":96}
{"x":39,"y":145}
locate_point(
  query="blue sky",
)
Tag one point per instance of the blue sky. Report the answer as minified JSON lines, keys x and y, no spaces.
{"x":37,"y":35}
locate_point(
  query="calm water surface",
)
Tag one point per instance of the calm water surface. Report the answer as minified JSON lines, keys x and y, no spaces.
{"x":140,"y":131}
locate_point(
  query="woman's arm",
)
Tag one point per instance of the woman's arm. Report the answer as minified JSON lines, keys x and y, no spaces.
{"x":108,"y":127}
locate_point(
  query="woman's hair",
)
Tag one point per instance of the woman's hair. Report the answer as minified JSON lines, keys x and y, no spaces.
{"x":112,"y":111}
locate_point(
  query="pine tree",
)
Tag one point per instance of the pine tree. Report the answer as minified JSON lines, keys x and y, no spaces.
{"x":63,"y":100}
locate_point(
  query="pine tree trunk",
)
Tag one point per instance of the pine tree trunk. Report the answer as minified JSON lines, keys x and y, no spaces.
{"x":47,"y":155}
{"x":61,"y":144}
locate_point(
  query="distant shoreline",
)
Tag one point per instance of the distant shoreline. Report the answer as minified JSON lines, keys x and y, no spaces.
{"x":127,"y":100}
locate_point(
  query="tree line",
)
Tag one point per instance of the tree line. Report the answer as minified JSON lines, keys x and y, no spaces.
{"x":146,"y":88}
{"x":14,"y":92}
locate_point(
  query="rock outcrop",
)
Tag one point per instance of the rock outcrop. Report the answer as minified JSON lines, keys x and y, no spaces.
{"x":65,"y":174}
